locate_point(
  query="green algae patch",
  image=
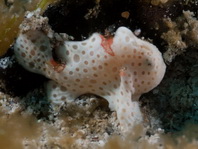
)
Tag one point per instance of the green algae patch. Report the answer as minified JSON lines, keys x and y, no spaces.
{"x":44,"y":3}
{"x":11,"y":15}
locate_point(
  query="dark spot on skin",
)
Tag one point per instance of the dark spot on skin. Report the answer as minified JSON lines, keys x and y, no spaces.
{"x":33,"y":40}
{"x":43,"y":48}
{"x":32,"y":52}
{"x":148,"y":62}
{"x":63,"y":88}
{"x":23,"y":54}
{"x":31,"y":64}
{"x":63,"y":98}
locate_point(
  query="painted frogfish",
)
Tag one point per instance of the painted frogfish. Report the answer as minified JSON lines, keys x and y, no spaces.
{"x":119,"y":69}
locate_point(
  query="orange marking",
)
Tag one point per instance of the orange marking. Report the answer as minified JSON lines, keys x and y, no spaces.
{"x":122,"y":73}
{"x":57,"y":66}
{"x":106,"y":44}
{"x":53,"y":63}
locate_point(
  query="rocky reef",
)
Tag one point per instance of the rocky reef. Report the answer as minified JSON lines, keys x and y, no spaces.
{"x":169,"y":111}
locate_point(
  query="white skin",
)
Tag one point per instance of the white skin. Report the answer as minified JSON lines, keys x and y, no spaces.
{"x":119,"y":69}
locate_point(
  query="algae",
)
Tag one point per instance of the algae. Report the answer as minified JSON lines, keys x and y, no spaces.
{"x":11,"y":15}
